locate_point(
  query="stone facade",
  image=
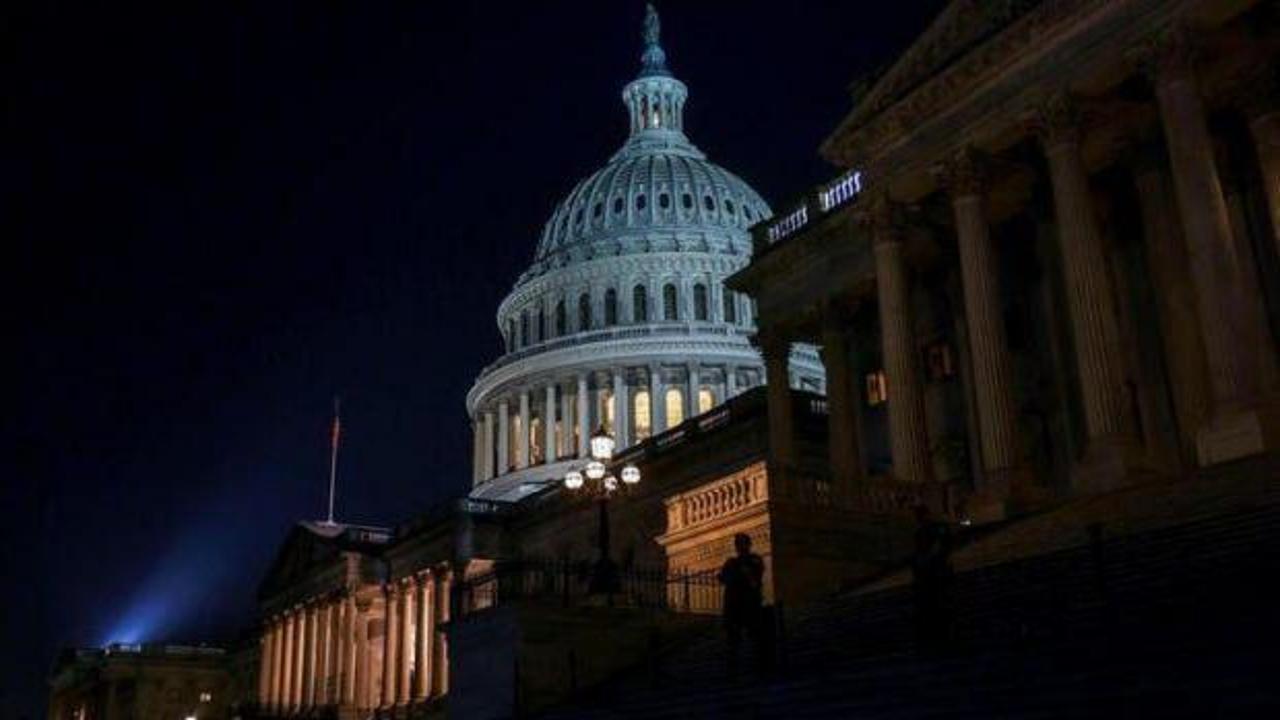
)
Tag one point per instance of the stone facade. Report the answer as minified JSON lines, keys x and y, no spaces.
{"x":143,"y":682}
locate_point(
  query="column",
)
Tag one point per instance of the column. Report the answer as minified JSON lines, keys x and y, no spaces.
{"x":566,"y":424}
{"x":477,"y":451}
{"x":908,"y":438}
{"x":403,"y":689}
{"x":440,"y":677}
{"x":390,"y":647}
{"x":422,"y":638}
{"x":334,"y":645}
{"x":1086,"y":279}
{"x":273,"y":665}
{"x":657,"y":400}
{"x":730,"y":381}
{"x":1264,"y":126}
{"x":549,"y":424}
{"x":695,"y":384}
{"x":965,"y":179}
{"x":264,"y":667}
{"x":297,"y":650}
{"x":504,"y":438}
{"x":349,"y":654}
{"x":320,"y":696}
{"x":361,"y":690}
{"x":776,"y":350}
{"x":844,"y":446}
{"x":1224,"y":316}
{"x":487,"y":462}
{"x":620,"y":405}
{"x":308,"y":656}
{"x":522,"y":441}
{"x":584,"y":416}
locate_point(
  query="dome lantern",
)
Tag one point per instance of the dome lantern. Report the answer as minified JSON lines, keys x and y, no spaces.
{"x":655,"y":99}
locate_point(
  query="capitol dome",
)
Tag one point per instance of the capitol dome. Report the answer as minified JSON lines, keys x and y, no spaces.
{"x":622,"y":320}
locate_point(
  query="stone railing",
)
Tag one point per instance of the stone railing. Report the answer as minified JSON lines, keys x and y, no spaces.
{"x":817,"y":203}
{"x":718,"y":499}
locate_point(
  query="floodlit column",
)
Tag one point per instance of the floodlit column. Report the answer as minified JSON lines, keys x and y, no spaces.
{"x":423,"y":629}
{"x":844,"y":446}
{"x":333,"y":645}
{"x":504,"y":438}
{"x":965,"y":178}
{"x":290,"y":637}
{"x":403,"y":690}
{"x":777,"y":350}
{"x":440,"y":676}
{"x":308,"y":656}
{"x":362,"y":678}
{"x":549,"y":425}
{"x":695,"y":386}
{"x":264,"y":667}
{"x":657,"y":401}
{"x":390,"y":647}
{"x":584,"y":416}
{"x":476,"y":451}
{"x":522,"y":442}
{"x":1084,"y":269}
{"x":320,"y":694}
{"x":1205,"y":224}
{"x":347,"y":683}
{"x":486,"y":461}
{"x":566,"y":424}
{"x":730,"y":381}
{"x":908,"y":438}
{"x":620,"y":434}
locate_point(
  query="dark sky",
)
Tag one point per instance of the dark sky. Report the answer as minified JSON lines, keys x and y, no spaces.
{"x":224,"y":213}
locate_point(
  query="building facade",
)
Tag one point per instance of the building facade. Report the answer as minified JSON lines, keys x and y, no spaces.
{"x":143,"y":682}
{"x":623,"y":321}
{"x":1055,"y":252}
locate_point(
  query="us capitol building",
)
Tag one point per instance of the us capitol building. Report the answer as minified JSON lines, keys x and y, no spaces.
{"x":623,"y":321}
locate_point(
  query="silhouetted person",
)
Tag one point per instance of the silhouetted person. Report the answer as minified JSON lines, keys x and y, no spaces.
{"x":743,"y":580}
{"x":931,"y":581}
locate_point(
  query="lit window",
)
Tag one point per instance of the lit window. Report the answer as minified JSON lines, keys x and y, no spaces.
{"x":706,"y":400}
{"x":675,"y":407}
{"x":606,"y":410}
{"x":535,"y":441}
{"x":206,"y":697}
{"x":643,"y":415}
{"x":877,"y":388}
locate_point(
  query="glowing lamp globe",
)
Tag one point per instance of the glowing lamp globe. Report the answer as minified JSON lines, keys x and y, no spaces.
{"x":595,"y":469}
{"x":573,"y":480}
{"x":601,"y":445}
{"x":610,"y":483}
{"x":631,"y":474}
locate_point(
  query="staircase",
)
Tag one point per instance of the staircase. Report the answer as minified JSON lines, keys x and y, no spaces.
{"x":1178,"y":621}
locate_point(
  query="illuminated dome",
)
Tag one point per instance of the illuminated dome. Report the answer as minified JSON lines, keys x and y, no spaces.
{"x":622,"y":320}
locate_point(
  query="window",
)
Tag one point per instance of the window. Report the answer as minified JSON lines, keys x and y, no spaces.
{"x":675,"y":407}
{"x":708,"y":203}
{"x":206,"y":697}
{"x":687,"y":201}
{"x":606,"y":410}
{"x":640,"y":304}
{"x":643,"y":415}
{"x":524,"y":329}
{"x":877,"y":388}
{"x":699,"y":302}
{"x":561,"y":319}
{"x":664,"y":201}
{"x":617,"y":206}
{"x":669,"y":310}
{"x":730,"y":307}
{"x":641,"y":203}
{"x":706,"y":400}
{"x":610,"y":307}
{"x":598,"y":210}
{"x":584,"y":311}
{"x":728,"y":206}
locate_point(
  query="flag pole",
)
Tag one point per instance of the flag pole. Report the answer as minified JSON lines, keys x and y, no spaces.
{"x":333,"y":454}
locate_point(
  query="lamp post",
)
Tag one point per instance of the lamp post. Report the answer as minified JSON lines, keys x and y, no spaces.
{"x":596,"y":479}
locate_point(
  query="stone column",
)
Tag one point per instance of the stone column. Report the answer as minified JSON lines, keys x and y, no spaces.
{"x":908,"y":438}
{"x":440,"y":677}
{"x":657,"y":400}
{"x":299,"y":656}
{"x":362,"y":678}
{"x":504,"y":439}
{"x":584,"y":415}
{"x":620,"y":404}
{"x":309,"y":658}
{"x":341,"y":638}
{"x":776,"y":350}
{"x":320,"y":694}
{"x":1089,"y":298}
{"x":486,"y":461}
{"x":522,"y":441}
{"x":844,"y":445}
{"x":1263,"y":112}
{"x":730,"y":381}
{"x":390,"y":647}
{"x":405,"y":654}
{"x":549,"y":425}
{"x":350,"y":651}
{"x":264,"y":667}
{"x":422,"y":638}
{"x":477,"y":451}
{"x":695,"y":384}
{"x":1233,"y":430}
{"x":332,"y":679}
{"x":566,"y":426}
{"x":965,"y":178}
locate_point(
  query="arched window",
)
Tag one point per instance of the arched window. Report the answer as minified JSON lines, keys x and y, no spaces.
{"x":584,"y":311}
{"x":598,"y":209}
{"x":617,"y":206}
{"x":675,"y":407}
{"x":643,"y":415}
{"x":640,"y":304}
{"x":730,"y":307}
{"x":708,"y":203}
{"x":560,"y":318}
{"x":606,"y":410}
{"x":610,"y":307}
{"x":669,"y":309}
{"x":687,"y":201}
{"x":641,"y":203}
{"x":728,"y":206}
{"x":524,"y":329}
{"x":664,"y":201}
{"x":706,"y":400}
{"x":699,"y":302}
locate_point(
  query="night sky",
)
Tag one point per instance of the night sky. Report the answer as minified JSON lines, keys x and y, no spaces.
{"x":225,"y":213}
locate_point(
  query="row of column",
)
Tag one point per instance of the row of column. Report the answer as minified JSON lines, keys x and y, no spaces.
{"x":1227,"y":315}
{"x":498,"y":434}
{"x":323,"y":654}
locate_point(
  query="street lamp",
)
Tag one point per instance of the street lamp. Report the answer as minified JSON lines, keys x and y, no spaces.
{"x":604,"y":576}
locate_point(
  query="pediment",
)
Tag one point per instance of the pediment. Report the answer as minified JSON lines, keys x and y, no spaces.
{"x":304,"y":551}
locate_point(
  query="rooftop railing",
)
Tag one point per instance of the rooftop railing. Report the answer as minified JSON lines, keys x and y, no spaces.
{"x":822,"y":200}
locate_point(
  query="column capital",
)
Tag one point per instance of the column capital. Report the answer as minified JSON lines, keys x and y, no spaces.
{"x":1056,"y":119}
{"x":771,"y":342}
{"x":883,"y":217}
{"x":966,"y":173}
{"x":1168,"y":55}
